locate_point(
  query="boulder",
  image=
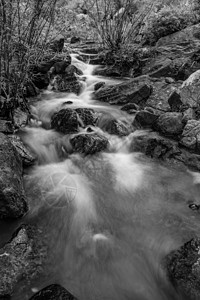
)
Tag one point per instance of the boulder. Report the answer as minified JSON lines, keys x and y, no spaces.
{"x":170,"y":124}
{"x":183,"y":267}
{"x":129,"y":107}
{"x":26,"y":156}
{"x":89,"y":143}
{"x":12,"y":203}
{"x":21,"y":257}
{"x":65,"y":121}
{"x":190,"y":90}
{"x":20,"y":118}
{"x":53,"y":292}
{"x":189,"y":114}
{"x":145,"y":118}
{"x":98,"y":85}
{"x":191,"y":135}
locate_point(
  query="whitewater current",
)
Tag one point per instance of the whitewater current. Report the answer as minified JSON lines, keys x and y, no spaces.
{"x":109,"y":219}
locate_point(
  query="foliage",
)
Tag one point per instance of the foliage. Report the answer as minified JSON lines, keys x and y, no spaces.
{"x":166,"y":20}
{"x":24,"y":29}
{"x":117,"y":23}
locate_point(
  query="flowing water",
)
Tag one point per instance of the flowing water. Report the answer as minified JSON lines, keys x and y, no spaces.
{"x":108,"y":219}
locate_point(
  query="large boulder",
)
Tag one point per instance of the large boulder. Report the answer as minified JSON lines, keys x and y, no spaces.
{"x":183,"y":267}
{"x":87,"y":116}
{"x":190,"y":90}
{"x":145,"y":118}
{"x":20,"y":258}
{"x":53,"y":292}
{"x":191,"y":135}
{"x":13,"y":203}
{"x":89,"y":143}
{"x":65,"y":121}
{"x":170,"y":124}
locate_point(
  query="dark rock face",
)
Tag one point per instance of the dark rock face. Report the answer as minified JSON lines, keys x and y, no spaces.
{"x":170,"y":124}
{"x":19,"y":258}
{"x":90,"y":143}
{"x":175,"y":101}
{"x":87,"y":116}
{"x":12,"y":198}
{"x":145,"y":118}
{"x":65,"y":121}
{"x":53,"y":292}
{"x":191,"y":135}
{"x":41,"y":81}
{"x":183,"y":266}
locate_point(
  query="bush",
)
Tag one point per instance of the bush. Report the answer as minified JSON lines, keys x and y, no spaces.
{"x":167,"y":20}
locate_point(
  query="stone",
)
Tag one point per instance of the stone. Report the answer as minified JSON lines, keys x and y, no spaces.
{"x":189,"y":114}
{"x":183,"y":268}
{"x":41,"y":81}
{"x":20,"y":258}
{"x":12,"y":201}
{"x":27,"y":157}
{"x":65,"y":121}
{"x":87,"y":116}
{"x":145,"y":118}
{"x":130,"y":106}
{"x":191,"y":135}
{"x":53,"y":292}
{"x":89,"y":143}
{"x":190,"y":90}
{"x":170,"y":124}
{"x":98,"y":85}
{"x":113,"y":126}
{"x":67,"y":82}
{"x":174,"y":101}
{"x":20,"y":118}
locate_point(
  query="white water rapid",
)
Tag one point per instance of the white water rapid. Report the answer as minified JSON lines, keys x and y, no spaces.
{"x":109,"y":219}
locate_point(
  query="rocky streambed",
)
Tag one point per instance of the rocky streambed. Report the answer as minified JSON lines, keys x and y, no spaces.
{"x":155,"y":113}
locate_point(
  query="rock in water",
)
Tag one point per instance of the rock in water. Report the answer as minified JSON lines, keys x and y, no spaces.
{"x":65,"y":121}
{"x":53,"y":292}
{"x":12,"y":198}
{"x":87,"y":115}
{"x":89,"y":143}
{"x":19,"y":258}
{"x":183,"y":266}
{"x":113,"y":126}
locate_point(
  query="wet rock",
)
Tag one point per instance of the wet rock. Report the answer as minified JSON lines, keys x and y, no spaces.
{"x":41,"y":81}
{"x":12,"y":200}
{"x":21,"y":257}
{"x":145,"y":118}
{"x":175,"y":101}
{"x":98,"y":85}
{"x":127,"y":92}
{"x":65,"y":121}
{"x":20,"y":118}
{"x":183,"y":267}
{"x":113,"y":126}
{"x":6,"y":126}
{"x":190,"y":90}
{"x":26,"y":156}
{"x":87,"y":116}
{"x":90,"y":143}
{"x":191,"y":135}
{"x":53,"y":292}
{"x":109,"y":71}
{"x":170,"y":124}
{"x":58,"y":44}
{"x":129,"y":107}
{"x":67,"y":82}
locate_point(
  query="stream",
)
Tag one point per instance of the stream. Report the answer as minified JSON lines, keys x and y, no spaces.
{"x":109,"y":219}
